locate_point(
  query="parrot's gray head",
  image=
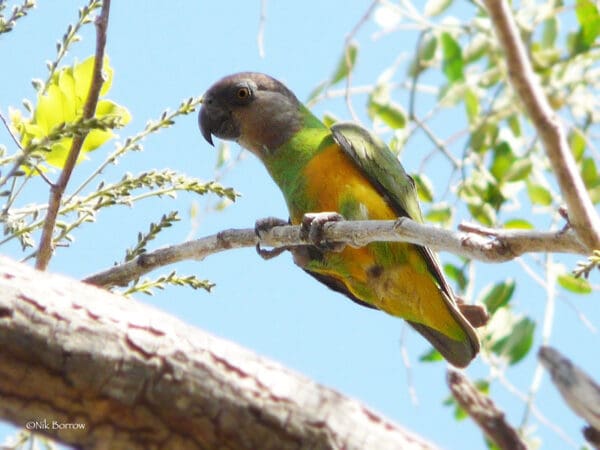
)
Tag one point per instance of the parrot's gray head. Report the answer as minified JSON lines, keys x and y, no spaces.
{"x":251,"y":108}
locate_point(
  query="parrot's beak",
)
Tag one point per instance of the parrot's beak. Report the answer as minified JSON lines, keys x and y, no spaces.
{"x":216,"y":120}
{"x":205,"y":124}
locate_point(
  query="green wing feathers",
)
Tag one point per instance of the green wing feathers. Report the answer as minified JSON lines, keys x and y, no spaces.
{"x":387,"y":175}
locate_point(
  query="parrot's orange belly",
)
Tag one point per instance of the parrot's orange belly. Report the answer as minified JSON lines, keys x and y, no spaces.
{"x":394,"y":277}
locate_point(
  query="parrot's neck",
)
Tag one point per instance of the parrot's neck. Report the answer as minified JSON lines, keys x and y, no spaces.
{"x":286,"y":163}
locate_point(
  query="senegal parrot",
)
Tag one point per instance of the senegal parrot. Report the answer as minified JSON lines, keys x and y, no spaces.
{"x":346,"y":170}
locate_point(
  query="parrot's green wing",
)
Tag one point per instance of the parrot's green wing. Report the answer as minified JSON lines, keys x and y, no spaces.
{"x":387,"y":175}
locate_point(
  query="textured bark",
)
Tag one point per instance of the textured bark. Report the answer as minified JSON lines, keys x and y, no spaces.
{"x":484,"y":412}
{"x":99,"y":371}
{"x":577,"y":388}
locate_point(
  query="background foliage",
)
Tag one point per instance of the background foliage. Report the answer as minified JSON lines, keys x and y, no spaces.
{"x":430,"y":79}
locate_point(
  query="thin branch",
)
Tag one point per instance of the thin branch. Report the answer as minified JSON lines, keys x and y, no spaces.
{"x":260,"y":36}
{"x":582,"y":214}
{"x":12,"y":135}
{"x":503,"y":246}
{"x":56,"y":192}
{"x":484,"y":412}
{"x":556,"y":429}
{"x":364,"y":18}
{"x":578,"y":389}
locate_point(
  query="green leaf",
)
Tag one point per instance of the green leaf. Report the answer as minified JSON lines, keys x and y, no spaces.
{"x":457,"y":274}
{"x":440,"y":213}
{"x":514,"y":124}
{"x":346,"y":63}
{"x":484,"y":213}
{"x":589,"y":173}
{"x":431,"y":356}
{"x":519,"y":170}
{"x":452,"y":63}
{"x":519,"y":224}
{"x":539,"y":195}
{"x":497,"y":296}
{"x":95,"y":139}
{"x":577,"y":143}
{"x":589,"y":20}
{"x":511,"y":336}
{"x":390,"y":113}
{"x":223,"y":155}
{"x":549,"y":32}
{"x":477,"y":48}
{"x":436,"y":7}
{"x":502,"y":161}
{"x":60,"y":108}
{"x":424,"y":55}
{"x":329,"y":120}
{"x":428,"y":48}
{"x":424,"y":188}
{"x":317,"y":91}
{"x":472,"y":106}
{"x":574,"y":284}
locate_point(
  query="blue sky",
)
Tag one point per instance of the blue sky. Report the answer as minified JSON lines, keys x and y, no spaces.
{"x":164,"y":52}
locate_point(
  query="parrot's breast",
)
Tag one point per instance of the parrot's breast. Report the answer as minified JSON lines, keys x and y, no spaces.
{"x":392,"y":276}
{"x":335,"y":183}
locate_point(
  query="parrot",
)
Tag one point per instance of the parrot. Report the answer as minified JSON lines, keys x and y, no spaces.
{"x":342,"y":172}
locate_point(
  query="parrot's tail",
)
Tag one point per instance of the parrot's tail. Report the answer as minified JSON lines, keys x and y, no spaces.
{"x":458,"y":353}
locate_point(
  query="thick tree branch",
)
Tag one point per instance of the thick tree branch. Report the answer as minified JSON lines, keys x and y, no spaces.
{"x":44,"y":252}
{"x":582,"y":215}
{"x":578,"y":389}
{"x":131,"y":377}
{"x":486,"y":244}
{"x":484,"y":412}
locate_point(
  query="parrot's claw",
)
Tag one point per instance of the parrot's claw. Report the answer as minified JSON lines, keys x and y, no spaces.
{"x":263,"y":225}
{"x":312,"y":229}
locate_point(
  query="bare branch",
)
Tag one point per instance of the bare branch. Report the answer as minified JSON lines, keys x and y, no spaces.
{"x":582,"y":215}
{"x":484,"y":412}
{"x":504,"y":245}
{"x":132,"y":377}
{"x":579,"y":390}
{"x":44,"y":252}
{"x":260,"y":36}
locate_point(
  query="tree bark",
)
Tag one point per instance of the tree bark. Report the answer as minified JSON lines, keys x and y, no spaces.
{"x":99,"y":371}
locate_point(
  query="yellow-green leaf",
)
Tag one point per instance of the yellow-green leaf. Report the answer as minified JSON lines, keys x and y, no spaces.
{"x":539,"y":195}
{"x":436,"y":7}
{"x":519,"y":224}
{"x":424,"y":187}
{"x":498,"y":295}
{"x":453,"y":60}
{"x":574,"y":284}
{"x":472,"y":105}
{"x":346,"y":63}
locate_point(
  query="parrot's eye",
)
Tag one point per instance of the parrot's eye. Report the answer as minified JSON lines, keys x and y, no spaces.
{"x":243,"y":93}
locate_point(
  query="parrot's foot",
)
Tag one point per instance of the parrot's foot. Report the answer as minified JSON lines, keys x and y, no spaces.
{"x":312,"y":229}
{"x":264,"y":225}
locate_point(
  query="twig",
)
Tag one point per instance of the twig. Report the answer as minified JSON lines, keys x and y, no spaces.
{"x":348,"y":41}
{"x":56,"y":192}
{"x":504,"y":246}
{"x":556,"y":429}
{"x":14,"y":138}
{"x":484,"y":412}
{"x":260,"y":36}
{"x":582,"y":214}
{"x":579,"y":391}
{"x":550,"y":287}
